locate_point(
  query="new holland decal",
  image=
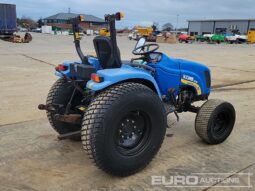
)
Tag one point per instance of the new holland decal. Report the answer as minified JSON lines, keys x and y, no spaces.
{"x":189,"y":80}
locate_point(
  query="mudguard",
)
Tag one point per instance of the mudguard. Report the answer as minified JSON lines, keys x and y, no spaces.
{"x":116,"y":75}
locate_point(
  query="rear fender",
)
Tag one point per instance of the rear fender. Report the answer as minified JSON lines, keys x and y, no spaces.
{"x":92,"y":61}
{"x":123,"y":74}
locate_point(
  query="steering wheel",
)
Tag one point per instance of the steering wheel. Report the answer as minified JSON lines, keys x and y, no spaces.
{"x":145,"y":49}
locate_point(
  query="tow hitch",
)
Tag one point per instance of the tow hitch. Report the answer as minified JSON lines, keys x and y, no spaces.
{"x":67,"y":118}
{"x":69,"y":135}
{"x":70,"y":118}
{"x":52,"y":107}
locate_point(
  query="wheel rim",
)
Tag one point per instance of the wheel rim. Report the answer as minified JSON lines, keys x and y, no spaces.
{"x":133,"y":132}
{"x":221,"y":123}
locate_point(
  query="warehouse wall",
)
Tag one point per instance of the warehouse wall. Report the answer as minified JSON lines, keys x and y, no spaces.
{"x":202,"y":27}
{"x":241,"y":25}
{"x":252,"y":25}
{"x":207,"y":27}
{"x":194,"y":27}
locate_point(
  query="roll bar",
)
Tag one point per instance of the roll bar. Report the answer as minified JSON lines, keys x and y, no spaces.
{"x":75,"y":25}
{"x":110,"y":19}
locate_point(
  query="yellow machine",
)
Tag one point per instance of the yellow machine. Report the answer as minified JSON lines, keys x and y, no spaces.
{"x":144,"y":31}
{"x":251,"y":37}
{"x":104,"y":32}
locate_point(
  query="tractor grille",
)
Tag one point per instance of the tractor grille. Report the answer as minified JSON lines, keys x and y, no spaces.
{"x":208,"y":79}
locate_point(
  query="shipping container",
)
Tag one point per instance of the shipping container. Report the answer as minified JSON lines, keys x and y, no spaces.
{"x":8,"y":19}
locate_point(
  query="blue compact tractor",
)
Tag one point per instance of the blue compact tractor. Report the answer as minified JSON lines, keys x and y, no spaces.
{"x":119,"y":108}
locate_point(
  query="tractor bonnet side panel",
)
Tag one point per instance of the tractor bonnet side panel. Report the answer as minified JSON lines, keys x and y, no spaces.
{"x":167,"y":74}
{"x":197,"y":76}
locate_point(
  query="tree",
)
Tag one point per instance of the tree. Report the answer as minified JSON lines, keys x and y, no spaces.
{"x":155,"y":26}
{"x":167,"y":27}
{"x":26,"y":22}
{"x":40,"y":23}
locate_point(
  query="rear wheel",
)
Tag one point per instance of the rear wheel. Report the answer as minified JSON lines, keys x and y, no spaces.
{"x":60,"y":94}
{"x":215,"y":121}
{"x":124,"y":128}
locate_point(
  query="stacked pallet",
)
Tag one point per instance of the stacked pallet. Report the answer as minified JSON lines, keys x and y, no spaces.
{"x":167,"y":37}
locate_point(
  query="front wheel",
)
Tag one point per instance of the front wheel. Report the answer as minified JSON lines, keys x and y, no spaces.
{"x":124,"y":128}
{"x":215,"y":121}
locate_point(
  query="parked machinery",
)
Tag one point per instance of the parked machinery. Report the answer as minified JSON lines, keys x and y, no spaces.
{"x":217,"y":38}
{"x":185,"y":38}
{"x":251,"y":36}
{"x":236,"y":37}
{"x":139,"y":32}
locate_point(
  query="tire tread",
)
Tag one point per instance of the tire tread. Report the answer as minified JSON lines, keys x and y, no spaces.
{"x":93,"y":122}
{"x":203,"y":117}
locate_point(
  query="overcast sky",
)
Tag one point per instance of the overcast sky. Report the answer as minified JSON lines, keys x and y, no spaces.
{"x":141,"y":12}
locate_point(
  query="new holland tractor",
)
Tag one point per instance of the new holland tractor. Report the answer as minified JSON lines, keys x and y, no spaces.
{"x":119,"y":108}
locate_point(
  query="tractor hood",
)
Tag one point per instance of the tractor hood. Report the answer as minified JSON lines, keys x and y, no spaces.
{"x":197,"y":74}
{"x":190,"y":65}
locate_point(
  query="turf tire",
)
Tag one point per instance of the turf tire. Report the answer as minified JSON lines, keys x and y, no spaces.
{"x":103,"y":118}
{"x":206,"y":123}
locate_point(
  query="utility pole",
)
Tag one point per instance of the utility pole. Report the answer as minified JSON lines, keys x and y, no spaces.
{"x":177,"y":22}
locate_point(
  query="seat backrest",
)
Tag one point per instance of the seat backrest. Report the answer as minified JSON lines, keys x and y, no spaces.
{"x":105,"y":53}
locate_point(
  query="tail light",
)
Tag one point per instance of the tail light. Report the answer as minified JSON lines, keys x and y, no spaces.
{"x":96,"y":78}
{"x":61,"y":67}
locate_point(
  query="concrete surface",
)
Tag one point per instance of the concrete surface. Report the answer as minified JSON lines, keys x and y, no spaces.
{"x":31,"y":158}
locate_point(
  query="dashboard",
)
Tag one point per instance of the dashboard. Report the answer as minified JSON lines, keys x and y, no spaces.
{"x":155,"y":57}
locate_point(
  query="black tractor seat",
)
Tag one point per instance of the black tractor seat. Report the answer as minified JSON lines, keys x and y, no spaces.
{"x":105,"y":53}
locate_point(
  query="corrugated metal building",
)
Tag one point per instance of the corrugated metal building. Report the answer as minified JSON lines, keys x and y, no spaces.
{"x":200,"y":27}
{"x":62,"y":20}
